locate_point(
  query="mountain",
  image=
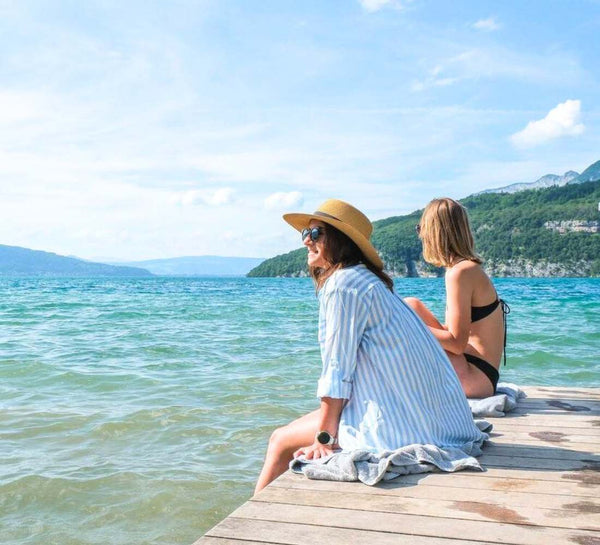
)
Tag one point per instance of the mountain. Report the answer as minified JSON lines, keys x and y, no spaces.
{"x":207,"y":265}
{"x":548,"y":180}
{"x":552,"y":231}
{"x":22,"y":261}
{"x":589,"y":174}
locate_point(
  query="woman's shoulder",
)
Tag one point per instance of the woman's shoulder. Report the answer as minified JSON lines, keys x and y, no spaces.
{"x":466,"y":273}
{"x":465,"y":268}
{"x":357,"y":278}
{"x":470,"y":275}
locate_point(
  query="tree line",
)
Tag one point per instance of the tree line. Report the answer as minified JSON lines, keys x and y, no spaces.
{"x":506,"y":227}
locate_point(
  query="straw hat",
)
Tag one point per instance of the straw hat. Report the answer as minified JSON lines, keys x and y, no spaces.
{"x":344,"y":217}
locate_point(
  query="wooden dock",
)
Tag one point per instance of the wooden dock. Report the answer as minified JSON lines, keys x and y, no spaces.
{"x":540,"y":487}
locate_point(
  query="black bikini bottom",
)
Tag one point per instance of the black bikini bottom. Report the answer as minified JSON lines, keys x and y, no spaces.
{"x":486,"y":368}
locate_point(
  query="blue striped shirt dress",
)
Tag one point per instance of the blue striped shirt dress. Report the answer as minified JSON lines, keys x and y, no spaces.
{"x":398,"y":382}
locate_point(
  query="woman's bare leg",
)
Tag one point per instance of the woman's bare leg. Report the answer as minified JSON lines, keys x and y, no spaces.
{"x":473,"y":381}
{"x":282,"y":445}
{"x":424,"y":313}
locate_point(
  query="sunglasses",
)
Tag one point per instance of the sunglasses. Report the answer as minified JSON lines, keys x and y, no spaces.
{"x":418,"y":228}
{"x":314,"y":233}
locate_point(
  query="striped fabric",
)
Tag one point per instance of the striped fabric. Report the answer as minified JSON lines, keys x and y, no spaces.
{"x":378,"y":354}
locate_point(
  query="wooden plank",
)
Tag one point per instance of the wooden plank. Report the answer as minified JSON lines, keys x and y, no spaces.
{"x":493,"y":480}
{"x":558,"y":418}
{"x":547,"y":437}
{"x":506,"y":425}
{"x":517,"y":534}
{"x":286,"y":533}
{"x":558,"y":414}
{"x":548,"y":440}
{"x":586,"y":478}
{"x":569,"y":404}
{"x":540,"y":485}
{"x":208,"y":540}
{"x":585,"y":433}
{"x":538,"y":451}
{"x":465,"y":506}
{"x":549,"y":499}
{"x":554,"y":464}
{"x":557,"y":391}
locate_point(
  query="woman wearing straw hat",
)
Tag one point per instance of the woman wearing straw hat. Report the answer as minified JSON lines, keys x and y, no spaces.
{"x":385,"y":381}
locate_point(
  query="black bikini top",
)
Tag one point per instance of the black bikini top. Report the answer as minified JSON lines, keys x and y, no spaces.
{"x":479,"y":313}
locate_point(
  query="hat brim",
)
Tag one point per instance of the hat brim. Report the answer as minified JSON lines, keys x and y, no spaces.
{"x":301,"y":221}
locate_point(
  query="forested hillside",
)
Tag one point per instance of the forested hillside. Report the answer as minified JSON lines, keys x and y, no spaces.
{"x":17,"y":261}
{"x":541,"y":232}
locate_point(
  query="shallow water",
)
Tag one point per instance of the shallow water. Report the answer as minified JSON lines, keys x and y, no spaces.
{"x":138,"y":410}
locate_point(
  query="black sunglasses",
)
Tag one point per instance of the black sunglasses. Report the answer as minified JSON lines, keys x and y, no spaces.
{"x":418,"y":228}
{"x":314,"y":233}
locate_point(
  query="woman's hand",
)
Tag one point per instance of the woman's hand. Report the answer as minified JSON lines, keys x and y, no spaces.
{"x":315,"y":451}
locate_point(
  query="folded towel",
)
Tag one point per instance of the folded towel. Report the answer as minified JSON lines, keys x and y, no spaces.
{"x":506,"y":398}
{"x":370,"y":468}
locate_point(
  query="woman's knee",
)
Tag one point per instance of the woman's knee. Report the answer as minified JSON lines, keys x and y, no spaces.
{"x":279,"y":442}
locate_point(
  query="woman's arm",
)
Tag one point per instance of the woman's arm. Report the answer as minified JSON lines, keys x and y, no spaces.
{"x":342,"y":320}
{"x":329,"y":421}
{"x":459,"y":290}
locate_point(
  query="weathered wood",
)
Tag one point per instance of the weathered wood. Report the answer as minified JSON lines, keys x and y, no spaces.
{"x":561,"y":486}
{"x":547,"y":437}
{"x":209,"y":540}
{"x":557,"y":418}
{"x":562,"y":393}
{"x":300,"y":534}
{"x":537,"y":440}
{"x":561,"y":404}
{"x":550,"y":452}
{"x":505,"y":530}
{"x":510,"y":424}
{"x":464,"y":505}
{"x":516,"y":460}
{"x":588,"y":477}
{"x":541,"y":485}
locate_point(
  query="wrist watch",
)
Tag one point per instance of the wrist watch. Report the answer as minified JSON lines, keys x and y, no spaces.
{"x":325,"y":438}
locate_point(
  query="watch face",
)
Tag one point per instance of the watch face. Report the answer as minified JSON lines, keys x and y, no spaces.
{"x":324,"y":438}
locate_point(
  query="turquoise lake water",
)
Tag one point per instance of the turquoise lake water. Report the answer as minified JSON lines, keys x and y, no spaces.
{"x":137,"y":411}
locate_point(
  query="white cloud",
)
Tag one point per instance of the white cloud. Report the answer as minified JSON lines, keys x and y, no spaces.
{"x":215,"y":197}
{"x":564,"y":120}
{"x":281,"y":200}
{"x":488,"y":25}
{"x":376,"y":5}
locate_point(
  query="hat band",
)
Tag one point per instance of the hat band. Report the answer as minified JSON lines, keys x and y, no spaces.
{"x":325,"y":215}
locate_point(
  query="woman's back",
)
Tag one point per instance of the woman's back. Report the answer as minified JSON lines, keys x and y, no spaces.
{"x":403,"y":388}
{"x":486,"y":337}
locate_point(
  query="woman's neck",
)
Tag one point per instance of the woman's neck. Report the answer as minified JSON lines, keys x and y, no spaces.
{"x":456,"y":261}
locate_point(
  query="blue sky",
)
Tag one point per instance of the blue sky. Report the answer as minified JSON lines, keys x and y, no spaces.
{"x":140,"y":130}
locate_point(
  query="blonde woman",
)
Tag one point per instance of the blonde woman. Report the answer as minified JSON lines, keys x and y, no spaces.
{"x":474,"y":333}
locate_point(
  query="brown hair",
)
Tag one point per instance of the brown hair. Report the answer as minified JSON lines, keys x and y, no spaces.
{"x":340,"y":252}
{"x":446,"y":233}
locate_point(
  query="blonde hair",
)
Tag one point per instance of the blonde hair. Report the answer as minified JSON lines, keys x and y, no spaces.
{"x":446,"y":233}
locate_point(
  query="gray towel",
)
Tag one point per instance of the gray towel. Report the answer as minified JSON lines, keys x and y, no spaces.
{"x":506,"y":399}
{"x":370,"y":468}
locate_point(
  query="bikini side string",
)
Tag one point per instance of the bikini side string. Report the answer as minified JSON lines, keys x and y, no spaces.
{"x":505,"y":313}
